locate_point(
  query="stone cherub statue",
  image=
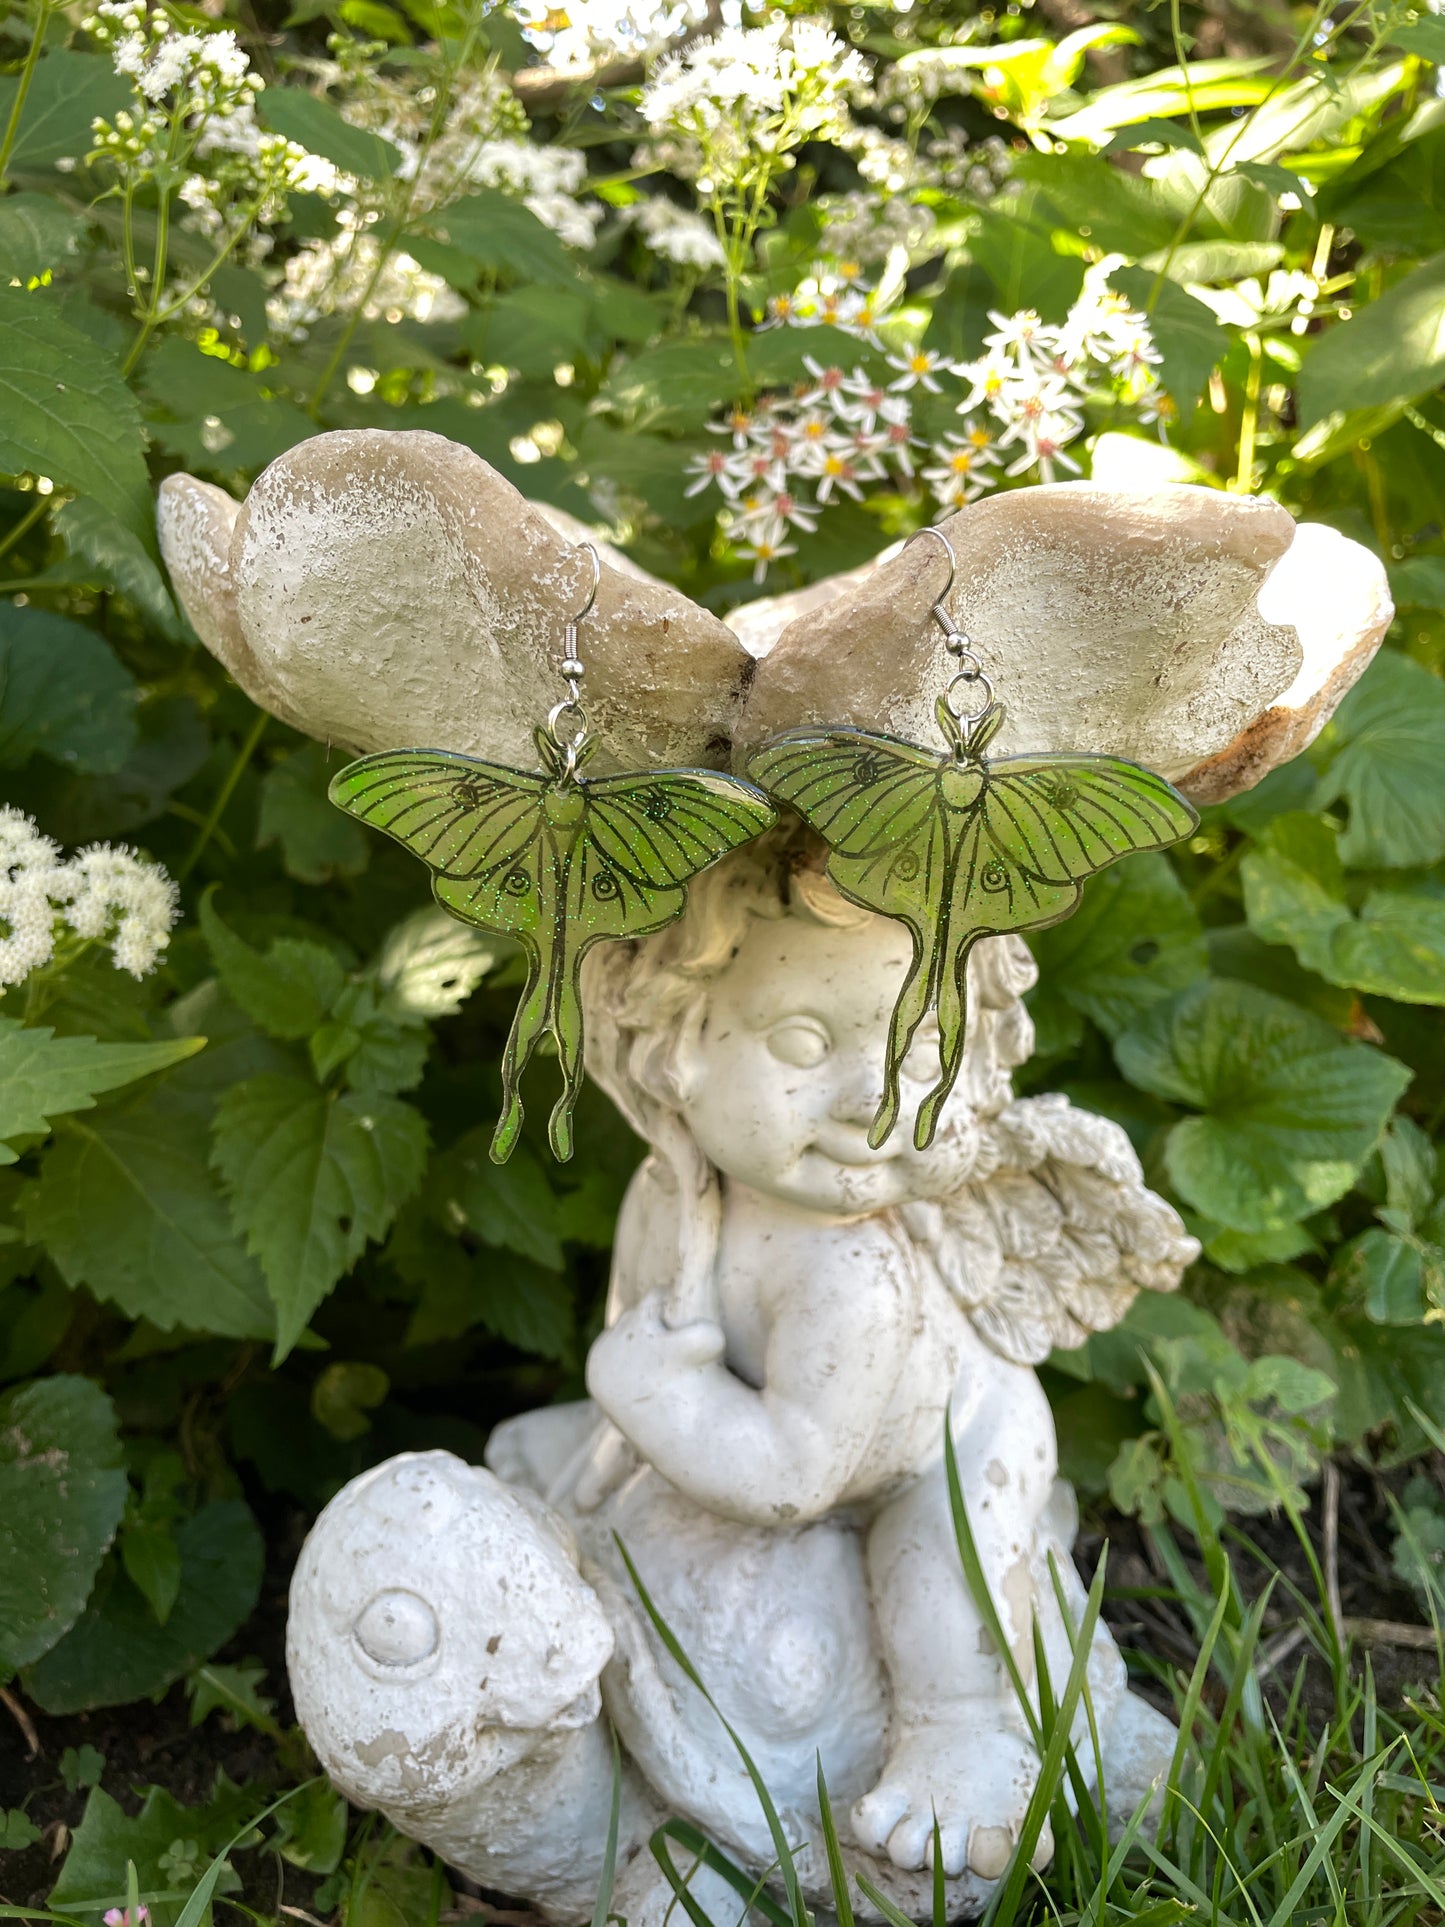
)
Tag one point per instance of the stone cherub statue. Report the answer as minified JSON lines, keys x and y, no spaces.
{"x":793,"y":1315}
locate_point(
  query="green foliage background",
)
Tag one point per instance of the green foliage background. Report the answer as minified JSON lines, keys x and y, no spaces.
{"x":233,"y":1273}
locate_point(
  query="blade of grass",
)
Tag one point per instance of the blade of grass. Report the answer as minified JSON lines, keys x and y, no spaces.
{"x":837,"y":1872}
{"x":752,"y":1889}
{"x":978,"y":1584}
{"x":796,"y":1907}
{"x":602,"y":1905}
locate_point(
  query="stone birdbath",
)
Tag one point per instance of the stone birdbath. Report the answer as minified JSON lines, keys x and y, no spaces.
{"x":793,"y":1317}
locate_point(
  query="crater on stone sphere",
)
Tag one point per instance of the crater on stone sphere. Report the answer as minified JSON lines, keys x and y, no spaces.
{"x":397,"y":1628}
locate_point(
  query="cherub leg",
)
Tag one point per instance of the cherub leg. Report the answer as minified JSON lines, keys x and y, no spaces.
{"x":960,"y":1744}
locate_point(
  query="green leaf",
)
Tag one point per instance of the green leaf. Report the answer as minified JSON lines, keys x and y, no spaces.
{"x":1423,"y":36}
{"x":81,"y":1766}
{"x":1133,"y":940}
{"x":1186,"y":332}
{"x":313,"y":1176}
{"x":152,"y":1562}
{"x":344,"y":1394}
{"x":17,"y":1831}
{"x":234,"y":1691}
{"x":1419,"y":583}
{"x":287,"y":991}
{"x":1294,"y":893}
{"x":118,"y":560}
{"x":1389,"y":1272}
{"x":37,"y":234}
{"x":511,"y":1204}
{"x":1387,"y":743}
{"x":62,"y":1492}
{"x":317,"y":126}
{"x":44,"y":1076}
{"x":126,"y":1206}
{"x":313,"y":1829}
{"x":65,"y":412}
{"x":531,"y":329}
{"x":676,"y":385}
{"x":109,"y":1842}
{"x":66,"y":94}
{"x":1290,"y":1109}
{"x":64,"y":693}
{"x":117,"y":1652}
{"x":503,"y":237}
{"x":1391,"y":351}
{"x":317,"y":840}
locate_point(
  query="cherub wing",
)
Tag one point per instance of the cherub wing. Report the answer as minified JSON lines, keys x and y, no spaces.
{"x":1056,"y":1235}
{"x":641,"y":840}
{"x":876,"y":802}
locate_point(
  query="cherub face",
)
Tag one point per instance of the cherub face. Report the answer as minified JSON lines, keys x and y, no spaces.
{"x":781,"y":1080}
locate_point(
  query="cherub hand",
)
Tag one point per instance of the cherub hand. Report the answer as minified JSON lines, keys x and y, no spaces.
{"x":641,"y":1357}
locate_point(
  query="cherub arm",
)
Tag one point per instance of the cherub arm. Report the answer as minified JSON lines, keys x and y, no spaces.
{"x":783,"y":1451}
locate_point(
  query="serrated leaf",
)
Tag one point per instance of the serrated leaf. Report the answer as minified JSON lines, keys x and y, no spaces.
{"x":37,"y":234}
{"x":1389,"y":1272}
{"x":1133,"y":940}
{"x":64,"y":693}
{"x":233,"y":1690}
{"x":43,"y":1076}
{"x":127,"y":1206}
{"x":1290,"y":1109}
{"x":511,"y":1204}
{"x":65,"y":412}
{"x":1388,"y":763}
{"x":118,"y":560}
{"x":320,"y":128}
{"x":118,"y":1652}
{"x":1294,"y":893}
{"x":313,"y":1176}
{"x":1391,"y":350}
{"x":62,"y":1493}
{"x":504,"y":237}
{"x":1419,"y":583}
{"x":287,"y":991}
{"x":317,"y":840}
{"x":67,"y":91}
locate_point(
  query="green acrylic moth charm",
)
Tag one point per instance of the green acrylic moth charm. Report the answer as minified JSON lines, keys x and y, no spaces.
{"x":559,"y":862}
{"x":958,"y":848}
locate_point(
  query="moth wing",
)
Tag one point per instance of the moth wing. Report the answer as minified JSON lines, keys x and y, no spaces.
{"x":660,"y":829}
{"x":862,"y":793}
{"x":1061,"y":818}
{"x":462,"y":817}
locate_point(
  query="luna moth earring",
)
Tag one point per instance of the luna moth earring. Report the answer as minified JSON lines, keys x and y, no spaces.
{"x":958,"y":847}
{"x":557,"y":860}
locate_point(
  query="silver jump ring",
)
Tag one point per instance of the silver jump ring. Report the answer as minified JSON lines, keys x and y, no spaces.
{"x":968,"y":679}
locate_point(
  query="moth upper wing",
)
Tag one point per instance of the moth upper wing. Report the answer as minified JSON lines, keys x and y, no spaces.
{"x":862,"y":793}
{"x":462,"y":817}
{"x":659,"y":829}
{"x":1063,"y":817}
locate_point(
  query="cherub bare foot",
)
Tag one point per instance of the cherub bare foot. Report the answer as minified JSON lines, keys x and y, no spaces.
{"x":976,"y":1775}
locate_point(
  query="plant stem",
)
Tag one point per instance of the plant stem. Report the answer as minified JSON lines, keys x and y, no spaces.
{"x":27,"y":74}
{"x":26,"y":523}
{"x":224,"y":794}
{"x":1249,"y":420}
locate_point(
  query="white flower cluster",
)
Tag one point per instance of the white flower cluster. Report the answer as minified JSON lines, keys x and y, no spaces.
{"x":845,"y":428}
{"x":676,"y":233}
{"x":744,"y":97}
{"x":191,"y":78}
{"x":544,"y":179}
{"x":102,"y":892}
{"x":587,"y":30}
{"x":324,"y":276}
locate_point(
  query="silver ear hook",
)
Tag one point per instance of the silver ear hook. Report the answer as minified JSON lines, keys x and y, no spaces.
{"x":970,"y":669}
{"x":572,"y":671}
